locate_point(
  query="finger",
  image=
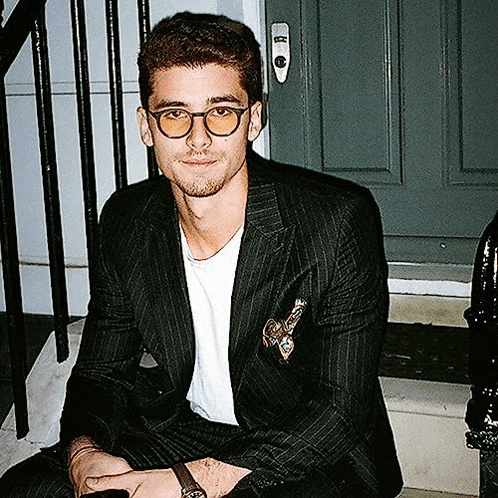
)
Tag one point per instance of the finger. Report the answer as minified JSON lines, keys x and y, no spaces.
{"x":120,"y":481}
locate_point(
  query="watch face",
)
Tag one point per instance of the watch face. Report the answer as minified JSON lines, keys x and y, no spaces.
{"x":197,"y":493}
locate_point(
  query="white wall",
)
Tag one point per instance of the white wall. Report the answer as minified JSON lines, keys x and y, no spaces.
{"x":24,"y":134}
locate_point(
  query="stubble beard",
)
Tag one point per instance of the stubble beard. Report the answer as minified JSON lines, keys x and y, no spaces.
{"x":199,"y":186}
{"x":203,"y":183}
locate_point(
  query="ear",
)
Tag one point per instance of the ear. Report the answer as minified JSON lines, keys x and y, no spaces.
{"x":256,"y":121}
{"x":144,"y":128}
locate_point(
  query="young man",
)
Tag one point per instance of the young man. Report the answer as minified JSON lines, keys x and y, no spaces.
{"x":238,"y":308}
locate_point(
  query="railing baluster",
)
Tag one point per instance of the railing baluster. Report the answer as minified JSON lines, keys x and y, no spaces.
{"x":116,"y":91}
{"x":46,"y":132}
{"x":144,"y":29}
{"x":143,"y":20}
{"x":80,"y":54}
{"x":11,"y":278}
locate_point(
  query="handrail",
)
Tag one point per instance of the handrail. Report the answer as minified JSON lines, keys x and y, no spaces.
{"x":16,"y":30}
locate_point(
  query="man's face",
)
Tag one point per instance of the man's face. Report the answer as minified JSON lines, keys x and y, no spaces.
{"x":200,"y":164}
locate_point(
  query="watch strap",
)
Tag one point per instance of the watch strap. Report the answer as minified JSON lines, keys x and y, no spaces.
{"x":186,"y":480}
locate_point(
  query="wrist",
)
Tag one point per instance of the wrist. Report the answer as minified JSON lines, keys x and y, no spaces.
{"x":79,"y":447}
{"x":216,"y":477}
{"x":190,"y":488}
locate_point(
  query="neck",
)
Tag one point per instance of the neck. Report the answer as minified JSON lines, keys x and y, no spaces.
{"x":209,"y":223}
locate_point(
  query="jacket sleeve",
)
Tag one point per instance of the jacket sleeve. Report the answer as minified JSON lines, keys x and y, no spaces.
{"x":103,"y":376}
{"x":340,"y":399}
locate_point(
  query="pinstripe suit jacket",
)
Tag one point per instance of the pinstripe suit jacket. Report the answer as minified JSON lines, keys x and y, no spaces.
{"x":304,"y":237}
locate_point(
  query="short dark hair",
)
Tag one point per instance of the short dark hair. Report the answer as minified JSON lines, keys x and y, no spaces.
{"x":194,"y":40}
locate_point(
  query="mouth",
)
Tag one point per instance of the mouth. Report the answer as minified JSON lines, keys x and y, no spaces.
{"x":199,"y":162}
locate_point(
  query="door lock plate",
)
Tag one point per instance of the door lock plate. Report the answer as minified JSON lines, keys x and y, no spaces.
{"x":280,"y":43}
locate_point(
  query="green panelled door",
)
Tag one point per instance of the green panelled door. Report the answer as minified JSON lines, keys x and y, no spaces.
{"x":401,"y":97}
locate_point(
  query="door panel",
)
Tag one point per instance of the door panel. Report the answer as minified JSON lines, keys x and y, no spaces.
{"x":471,"y":91}
{"x":360,"y":90}
{"x":401,"y":97}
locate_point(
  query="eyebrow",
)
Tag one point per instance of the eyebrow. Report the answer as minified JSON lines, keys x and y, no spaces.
{"x":225,"y":98}
{"x":162,"y":104}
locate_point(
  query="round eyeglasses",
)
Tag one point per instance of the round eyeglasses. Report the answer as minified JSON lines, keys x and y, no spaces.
{"x":219,"y":121}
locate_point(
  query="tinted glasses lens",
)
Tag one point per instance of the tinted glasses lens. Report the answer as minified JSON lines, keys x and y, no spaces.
{"x":175,"y":123}
{"x":222,"y":121}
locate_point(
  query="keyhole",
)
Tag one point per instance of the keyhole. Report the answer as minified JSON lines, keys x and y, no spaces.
{"x":280,"y":61}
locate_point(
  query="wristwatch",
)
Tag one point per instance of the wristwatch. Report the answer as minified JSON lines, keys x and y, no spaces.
{"x":190,"y":488}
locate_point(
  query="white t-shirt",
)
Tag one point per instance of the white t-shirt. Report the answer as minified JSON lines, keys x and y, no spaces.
{"x":210,"y":285}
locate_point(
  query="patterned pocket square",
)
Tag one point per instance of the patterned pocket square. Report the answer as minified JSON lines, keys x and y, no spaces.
{"x":279,"y":331}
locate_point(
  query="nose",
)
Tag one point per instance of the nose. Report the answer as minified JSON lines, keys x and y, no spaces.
{"x":198,"y":138}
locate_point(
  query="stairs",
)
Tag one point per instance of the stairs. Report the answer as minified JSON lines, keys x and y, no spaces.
{"x":427,"y":419}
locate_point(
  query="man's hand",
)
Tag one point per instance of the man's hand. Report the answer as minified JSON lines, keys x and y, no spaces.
{"x":87,"y":460}
{"x":215,"y":477}
{"x":92,"y":470}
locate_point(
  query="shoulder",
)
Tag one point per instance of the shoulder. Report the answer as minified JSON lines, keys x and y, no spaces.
{"x":325,"y":212}
{"x":138,"y":201}
{"x":130,"y":217}
{"x":310,"y":195}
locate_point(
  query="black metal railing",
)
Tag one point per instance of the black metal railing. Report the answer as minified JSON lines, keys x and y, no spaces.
{"x":28,"y":18}
{"x":46,"y":133}
{"x":482,"y":316}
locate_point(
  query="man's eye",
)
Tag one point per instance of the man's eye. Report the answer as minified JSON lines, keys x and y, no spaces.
{"x":175,"y":114}
{"x":221,"y":112}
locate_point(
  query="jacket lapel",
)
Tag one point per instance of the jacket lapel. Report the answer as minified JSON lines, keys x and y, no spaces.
{"x":262,"y":262}
{"x":264,"y":252}
{"x":172,"y":343}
